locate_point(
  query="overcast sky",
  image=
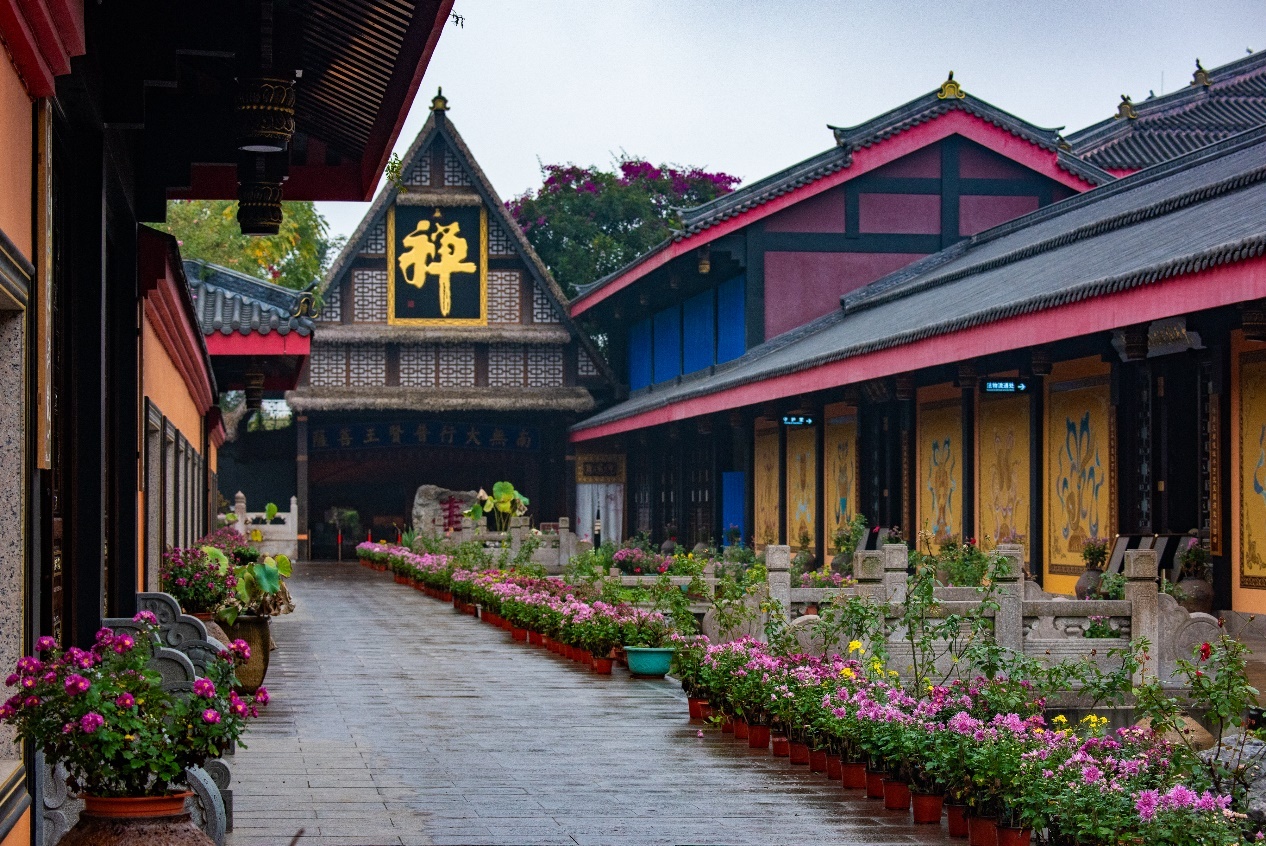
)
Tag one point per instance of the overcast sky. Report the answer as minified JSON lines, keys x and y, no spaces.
{"x":748,"y":86}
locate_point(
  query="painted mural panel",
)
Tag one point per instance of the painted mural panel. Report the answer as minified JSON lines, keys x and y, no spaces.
{"x":1079,"y":460}
{"x":802,"y":486}
{"x":1253,"y":470}
{"x":1003,"y":449}
{"x":766,"y":487}
{"x":940,"y":473}
{"x":842,"y":499}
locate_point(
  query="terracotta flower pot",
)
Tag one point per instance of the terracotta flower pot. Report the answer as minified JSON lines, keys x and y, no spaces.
{"x":705,"y":711}
{"x":956,"y":820}
{"x":927,"y":807}
{"x":695,"y":705}
{"x":758,"y":737}
{"x":799,"y":753}
{"x":727,"y":727}
{"x":780,"y":746}
{"x":1008,"y":836}
{"x":602,"y":666}
{"x":131,"y":820}
{"x":817,"y":760}
{"x":740,"y":729}
{"x":853,"y":775}
{"x":874,"y":785}
{"x":535,"y":638}
{"x":833,"y":767}
{"x":519,"y":634}
{"x":896,"y":795}
{"x":982,"y":831}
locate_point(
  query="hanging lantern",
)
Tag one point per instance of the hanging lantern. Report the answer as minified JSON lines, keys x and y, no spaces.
{"x":259,"y":181}
{"x":705,"y":260}
{"x":254,"y":391}
{"x":265,"y":114}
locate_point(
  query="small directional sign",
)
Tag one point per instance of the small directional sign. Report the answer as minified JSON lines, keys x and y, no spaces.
{"x":1005,"y":386}
{"x":796,"y":420}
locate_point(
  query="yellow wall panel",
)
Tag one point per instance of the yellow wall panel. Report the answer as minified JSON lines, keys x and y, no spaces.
{"x":1003,"y":453}
{"x":766,"y":487}
{"x":940,"y":471}
{"x":1080,"y":492}
{"x":1252,"y":465}
{"x":802,"y":485}
{"x":840,"y":472}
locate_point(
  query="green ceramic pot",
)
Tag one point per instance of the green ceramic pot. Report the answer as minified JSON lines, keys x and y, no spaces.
{"x":649,"y":660}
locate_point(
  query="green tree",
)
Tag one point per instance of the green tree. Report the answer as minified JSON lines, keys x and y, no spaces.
{"x":585,"y":223}
{"x":294,"y":258}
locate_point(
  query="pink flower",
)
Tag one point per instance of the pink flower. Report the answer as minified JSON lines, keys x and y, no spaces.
{"x":211,"y":716}
{"x":145,"y":617}
{"x":204,"y":688}
{"x":45,"y":644}
{"x":125,"y":700}
{"x":123,"y":643}
{"x":262,"y":696}
{"x":90,"y":722}
{"x":76,"y":683}
{"x":242,"y":648}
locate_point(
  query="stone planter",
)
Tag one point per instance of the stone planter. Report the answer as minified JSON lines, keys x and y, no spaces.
{"x":1197,"y":595}
{"x":649,"y":661}
{"x":1087,"y":582}
{"x":136,"y":821}
{"x":253,"y":630}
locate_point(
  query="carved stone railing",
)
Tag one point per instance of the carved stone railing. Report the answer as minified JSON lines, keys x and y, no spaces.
{"x":280,"y":536}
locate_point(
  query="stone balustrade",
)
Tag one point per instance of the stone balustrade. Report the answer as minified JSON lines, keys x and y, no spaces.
{"x":277,"y":537}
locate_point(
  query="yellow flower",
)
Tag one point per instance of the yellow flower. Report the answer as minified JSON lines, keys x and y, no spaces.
{"x":893,"y":673}
{"x":847,"y":672}
{"x":856,"y":646}
{"x":1059,"y":720}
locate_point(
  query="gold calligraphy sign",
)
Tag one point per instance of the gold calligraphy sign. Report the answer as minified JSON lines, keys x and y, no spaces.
{"x":437,"y":247}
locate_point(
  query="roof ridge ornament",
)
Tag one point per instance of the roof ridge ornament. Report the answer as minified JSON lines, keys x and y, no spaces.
{"x":950,"y":90}
{"x":1125,"y":109}
{"x":439,"y":103}
{"x":1201,"y":76}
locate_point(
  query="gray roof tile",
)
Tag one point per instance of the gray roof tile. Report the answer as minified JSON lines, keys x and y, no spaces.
{"x":227,"y":301}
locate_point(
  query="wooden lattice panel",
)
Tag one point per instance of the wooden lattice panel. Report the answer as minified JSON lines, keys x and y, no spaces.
{"x":505,"y":366}
{"x":585,"y":365}
{"x":332,"y":307}
{"x":542,"y":308}
{"x":417,"y":366}
{"x":454,"y":174}
{"x":545,"y":367}
{"x":457,"y":366}
{"x":376,"y":240}
{"x":327,"y":366}
{"x":503,"y":296}
{"x":499,"y":243}
{"x":370,"y":296}
{"x":367,"y":365}
{"x":419,"y":175}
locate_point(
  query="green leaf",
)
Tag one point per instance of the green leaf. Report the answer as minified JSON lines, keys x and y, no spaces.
{"x":270,"y":511}
{"x":228,"y":614}
{"x":283,"y":565}
{"x":218,"y":557}
{"x":267,"y":576}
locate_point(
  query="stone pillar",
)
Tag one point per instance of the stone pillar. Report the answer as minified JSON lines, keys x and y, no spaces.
{"x":1142,"y":593}
{"x":896,"y":571}
{"x":778,"y":568}
{"x":239,"y":509}
{"x":868,"y":569}
{"x":566,"y":542}
{"x":1009,"y":619}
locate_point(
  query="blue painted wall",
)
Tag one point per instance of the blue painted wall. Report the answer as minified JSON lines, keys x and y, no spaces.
{"x":731,"y":320}
{"x":698,"y":326}
{"x":640,"y":355}
{"x":667,"y":344}
{"x":733,"y":491}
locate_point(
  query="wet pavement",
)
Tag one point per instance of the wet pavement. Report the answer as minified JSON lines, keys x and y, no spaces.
{"x":396,"y":720}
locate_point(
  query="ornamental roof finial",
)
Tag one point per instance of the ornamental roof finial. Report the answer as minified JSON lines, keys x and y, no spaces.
{"x":1201,"y":76}
{"x":439,"y":103}
{"x":1125,"y":109}
{"x":950,"y":90}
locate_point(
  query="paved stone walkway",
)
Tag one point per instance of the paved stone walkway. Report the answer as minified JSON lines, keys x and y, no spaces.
{"x":396,"y":720}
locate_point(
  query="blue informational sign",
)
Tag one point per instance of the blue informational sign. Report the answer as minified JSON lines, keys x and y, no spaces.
{"x":1005,"y":386}
{"x":796,"y":420}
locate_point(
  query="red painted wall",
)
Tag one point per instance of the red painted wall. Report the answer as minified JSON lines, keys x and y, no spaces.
{"x":921,"y":164}
{"x":802,"y":286}
{"x":976,"y":162}
{"x":899,"y":214}
{"x":822,"y":213}
{"x":978,"y":213}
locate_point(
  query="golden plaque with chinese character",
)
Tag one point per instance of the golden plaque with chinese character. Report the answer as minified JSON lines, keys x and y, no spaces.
{"x":437,"y":261}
